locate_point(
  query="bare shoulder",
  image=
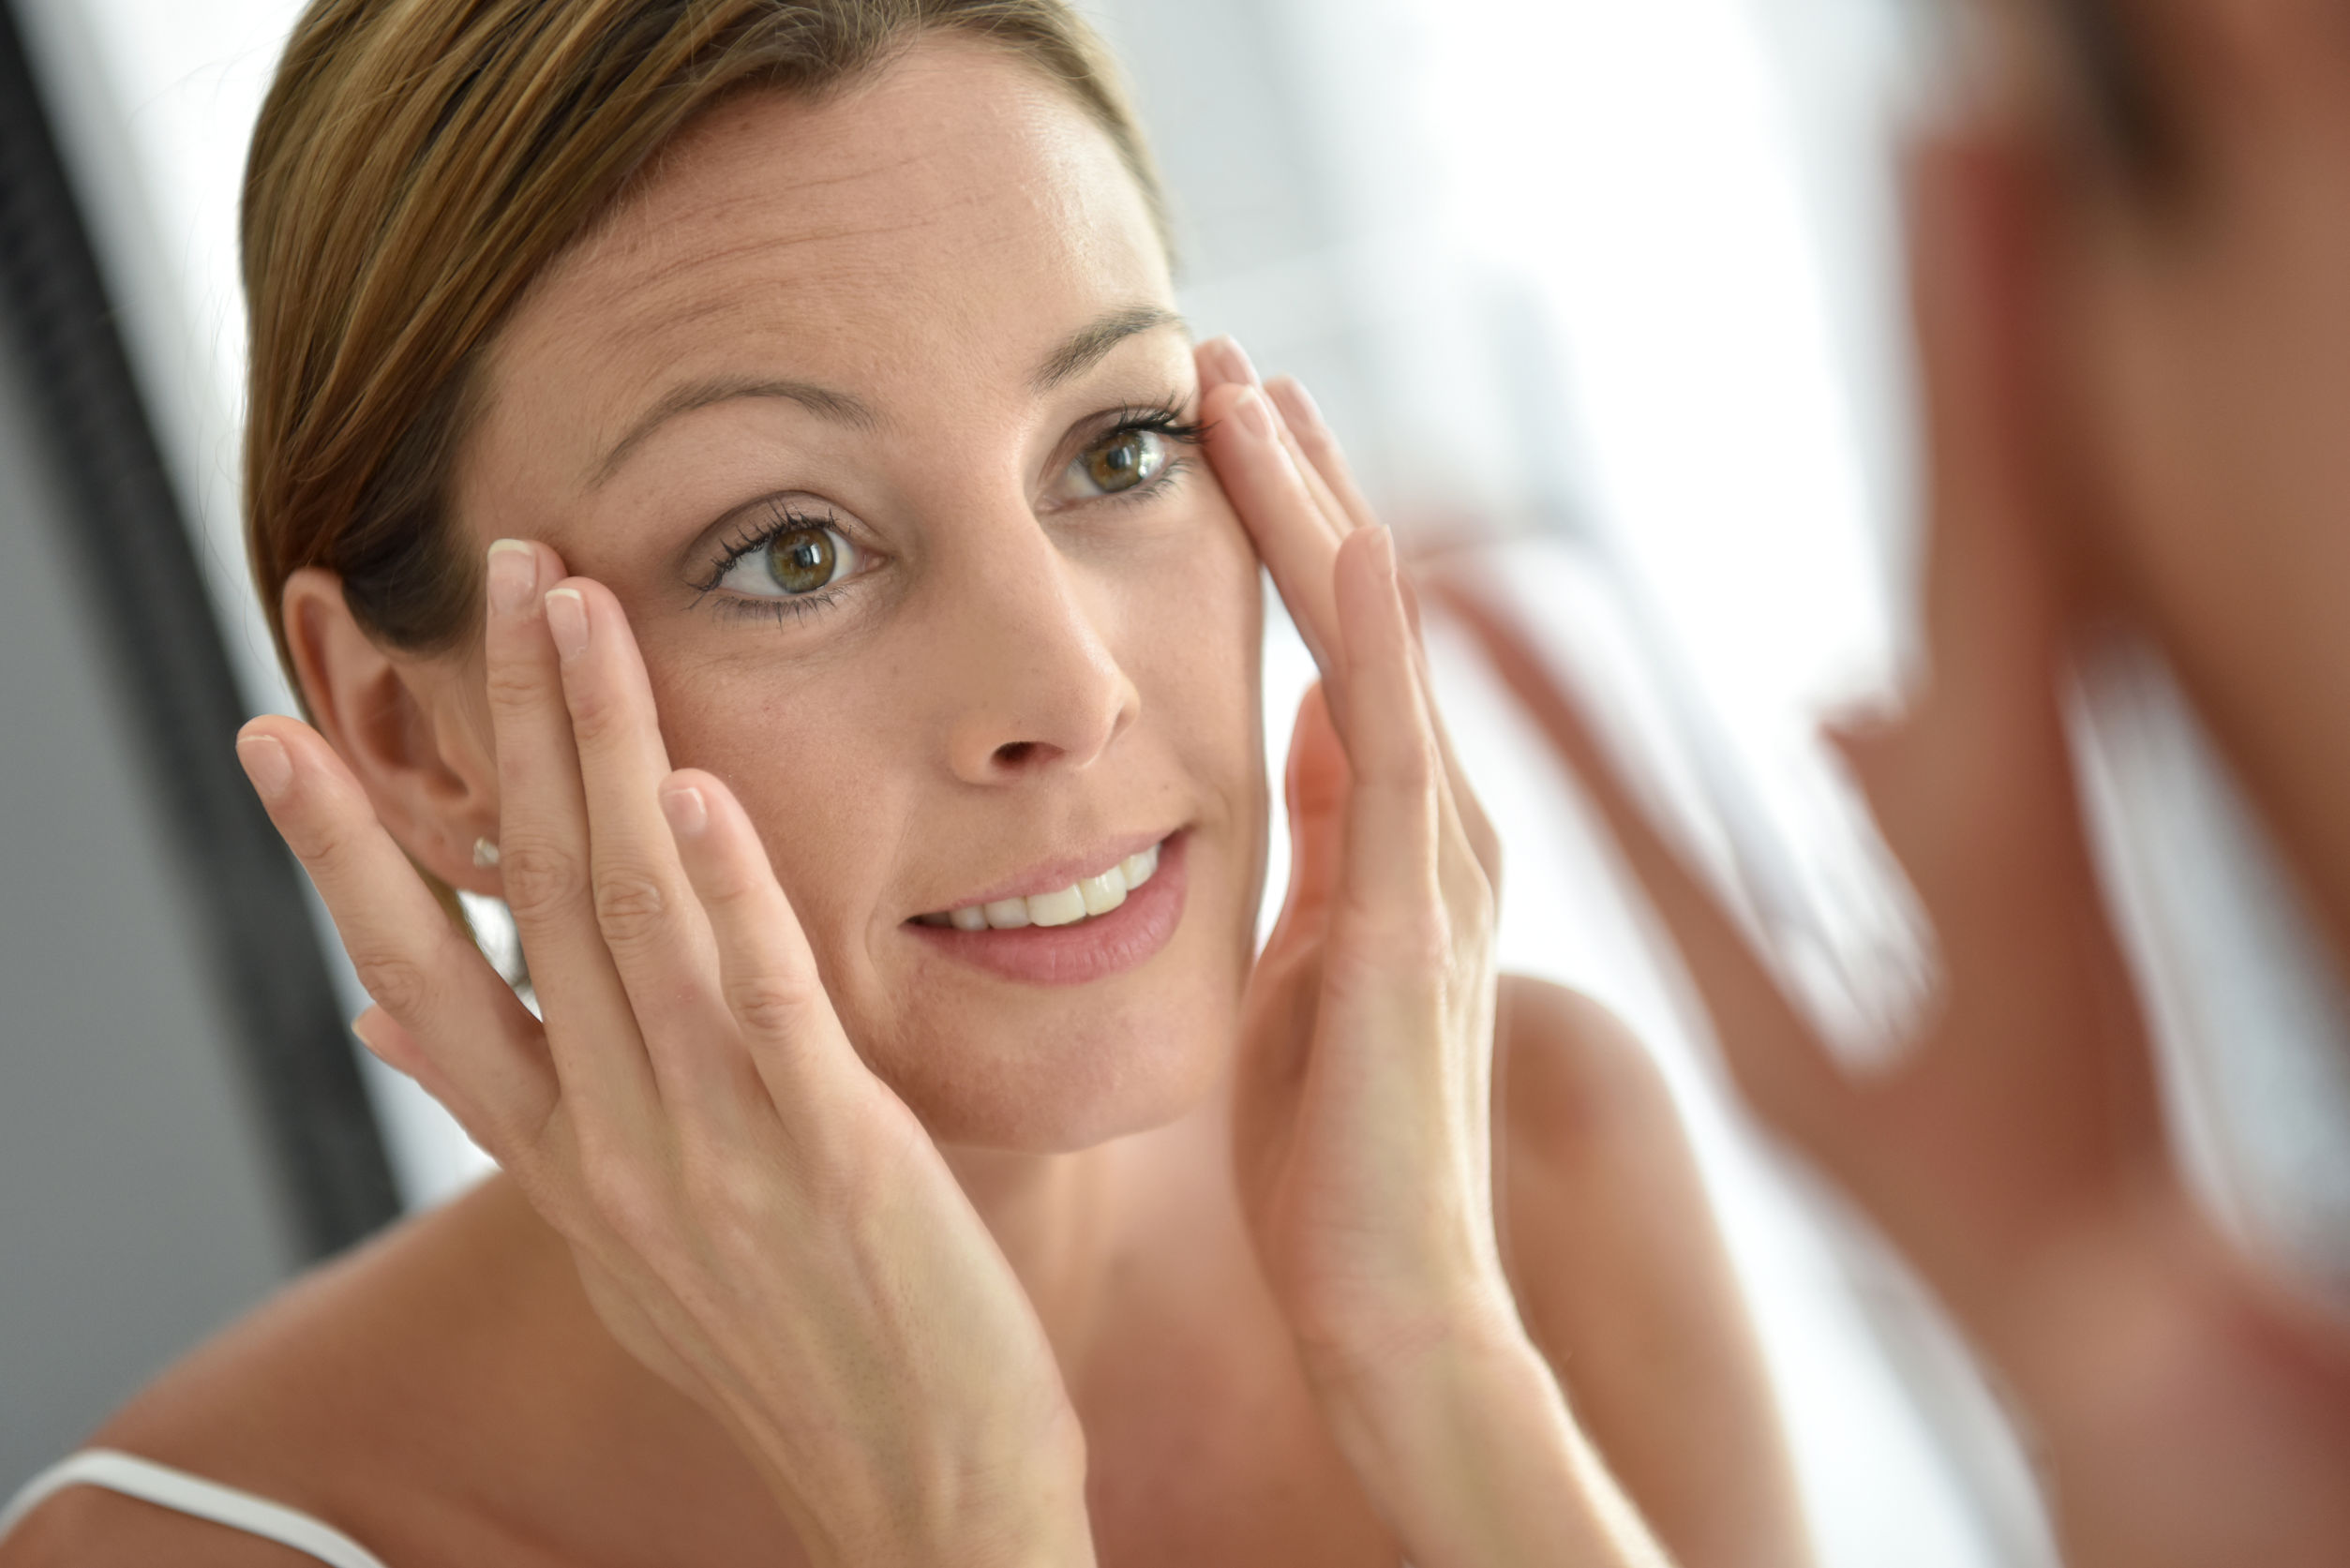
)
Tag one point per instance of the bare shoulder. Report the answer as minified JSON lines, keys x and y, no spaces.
{"x":1572,"y":1082}
{"x":1594,"y":1169}
{"x":330,"y":1399}
{"x":84,"y":1527}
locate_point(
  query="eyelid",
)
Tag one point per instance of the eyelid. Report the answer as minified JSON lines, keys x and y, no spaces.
{"x":751,"y":527}
{"x":1164,"y":418}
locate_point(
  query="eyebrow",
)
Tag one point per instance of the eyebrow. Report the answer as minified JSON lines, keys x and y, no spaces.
{"x":837,"y":406}
{"x":1083,"y":351}
{"x":1092,"y":345}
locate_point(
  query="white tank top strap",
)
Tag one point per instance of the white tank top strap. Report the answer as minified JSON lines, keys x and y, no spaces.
{"x":188,"y":1494}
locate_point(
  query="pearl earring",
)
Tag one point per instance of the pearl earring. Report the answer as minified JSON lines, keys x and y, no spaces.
{"x":485,"y":853}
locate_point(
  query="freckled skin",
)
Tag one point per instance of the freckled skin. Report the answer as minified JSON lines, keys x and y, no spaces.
{"x":1117,"y":640}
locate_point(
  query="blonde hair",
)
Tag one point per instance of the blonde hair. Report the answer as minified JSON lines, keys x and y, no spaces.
{"x":419,"y":162}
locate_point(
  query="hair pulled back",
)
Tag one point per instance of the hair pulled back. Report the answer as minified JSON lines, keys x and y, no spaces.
{"x":418,"y":163}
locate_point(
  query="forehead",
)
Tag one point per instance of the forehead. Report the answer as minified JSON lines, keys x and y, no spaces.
{"x":957,"y":205}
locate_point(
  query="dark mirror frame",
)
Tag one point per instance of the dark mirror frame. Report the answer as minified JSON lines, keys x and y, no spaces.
{"x":128,"y":539}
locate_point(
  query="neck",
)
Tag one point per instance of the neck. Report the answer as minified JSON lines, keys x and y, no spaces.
{"x":1052,"y":1217}
{"x":1064,"y":1220}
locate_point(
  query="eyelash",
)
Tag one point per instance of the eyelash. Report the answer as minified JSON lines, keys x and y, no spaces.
{"x":754,"y":535}
{"x":1164,"y":419}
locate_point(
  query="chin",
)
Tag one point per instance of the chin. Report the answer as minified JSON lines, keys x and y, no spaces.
{"x":1057,"y":1084}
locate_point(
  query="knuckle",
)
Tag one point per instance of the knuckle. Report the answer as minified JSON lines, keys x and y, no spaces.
{"x":398,"y":983}
{"x":539,"y":877}
{"x":322,"y":840}
{"x":630,"y":906}
{"x":726,"y":886}
{"x":595,"y":715}
{"x":513,"y":685}
{"x":772,"y":1005}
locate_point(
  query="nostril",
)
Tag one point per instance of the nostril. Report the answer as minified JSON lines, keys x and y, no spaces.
{"x":1015,"y":753}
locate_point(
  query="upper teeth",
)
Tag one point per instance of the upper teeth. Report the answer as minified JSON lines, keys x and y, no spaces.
{"x":1092,"y":895}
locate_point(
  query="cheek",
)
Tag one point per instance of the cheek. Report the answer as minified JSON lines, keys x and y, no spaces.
{"x":812,"y":772}
{"x":1195,"y":621}
{"x":1196,"y":653}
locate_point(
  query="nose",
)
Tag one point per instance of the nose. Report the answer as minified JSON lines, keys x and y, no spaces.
{"x":1033,"y":685}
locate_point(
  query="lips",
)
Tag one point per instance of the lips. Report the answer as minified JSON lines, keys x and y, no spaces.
{"x":1096,"y":925}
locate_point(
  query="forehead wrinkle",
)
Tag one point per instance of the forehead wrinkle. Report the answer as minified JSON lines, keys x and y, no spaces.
{"x":648,"y":300}
{"x":642,"y":226}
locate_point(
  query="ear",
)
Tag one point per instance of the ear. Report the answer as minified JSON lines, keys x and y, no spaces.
{"x":412,"y":729}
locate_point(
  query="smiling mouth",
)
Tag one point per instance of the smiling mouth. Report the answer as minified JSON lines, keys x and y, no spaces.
{"x":1080,"y":901}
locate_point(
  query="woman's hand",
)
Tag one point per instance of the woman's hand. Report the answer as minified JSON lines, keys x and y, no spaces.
{"x":754,"y":1215}
{"x":1363,"y":1139}
{"x":1365,"y":1147}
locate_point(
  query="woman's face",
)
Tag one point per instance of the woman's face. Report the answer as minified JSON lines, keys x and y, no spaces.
{"x":870,"y":413}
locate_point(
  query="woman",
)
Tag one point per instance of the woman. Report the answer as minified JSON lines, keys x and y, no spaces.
{"x":913,"y":1164}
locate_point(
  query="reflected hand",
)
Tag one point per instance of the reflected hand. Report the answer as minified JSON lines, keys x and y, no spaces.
{"x":2189,"y":1411}
{"x":756,"y":1216}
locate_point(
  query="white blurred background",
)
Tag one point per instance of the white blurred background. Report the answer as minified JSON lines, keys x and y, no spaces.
{"x":1615,"y":288}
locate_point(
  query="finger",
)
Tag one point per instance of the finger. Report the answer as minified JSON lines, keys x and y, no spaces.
{"x":1221,"y":362}
{"x":1781,"y":1065}
{"x":1476,"y":828}
{"x":767,"y":973}
{"x":1339,"y":505}
{"x":1315,"y":788}
{"x":644,"y":905}
{"x":388,"y":1043}
{"x":1393,"y":809}
{"x":1318,"y":449}
{"x":1269,"y":493}
{"x":1226,"y":364}
{"x":479,"y":1044}
{"x":1976,"y":795}
{"x":543,"y":851}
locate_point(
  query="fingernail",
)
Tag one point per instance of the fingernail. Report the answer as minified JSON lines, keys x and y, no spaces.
{"x":567,"y":618}
{"x":687,"y":812}
{"x":368,"y":1029}
{"x":1232,"y":362}
{"x":359,"y":1028}
{"x":266,"y":764}
{"x":1304,"y":414}
{"x":1254,"y":417}
{"x":514,"y":573}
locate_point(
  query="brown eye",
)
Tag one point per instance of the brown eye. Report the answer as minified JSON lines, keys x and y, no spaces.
{"x":803,"y":560}
{"x":1124,"y":460}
